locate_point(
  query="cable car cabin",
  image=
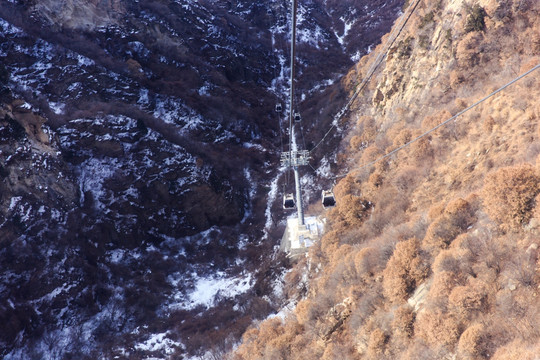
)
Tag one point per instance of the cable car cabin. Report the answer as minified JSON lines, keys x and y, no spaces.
{"x":288,"y":202}
{"x":278,"y":108}
{"x":297,"y":117}
{"x":328,"y":199}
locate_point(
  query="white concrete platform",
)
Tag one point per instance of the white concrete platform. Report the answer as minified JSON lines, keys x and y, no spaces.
{"x":297,"y":239}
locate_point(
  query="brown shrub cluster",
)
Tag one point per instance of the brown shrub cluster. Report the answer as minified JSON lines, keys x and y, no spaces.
{"x":464,"y":300}
{"x":271,"y":340}
{"x":404,"y":271}
{"x":509,"y":195}
{"x":388,"y":209}
{"x":352,"y":210}
{"x":472,"y":343}
{"x":456,"y":218}
{"x":446,"y":132}
{"x":422,"y":150}
{"x":437,"y":327}
{"x":377,"y":344}
{"x":467,"y":51}
{"x":368,"y":261}
{"x":517,"y":350}
{"x":407,"y":178}
{"x":403,"y":323}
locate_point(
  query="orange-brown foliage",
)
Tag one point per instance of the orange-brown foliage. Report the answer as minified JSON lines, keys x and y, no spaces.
{"x":442,"y":285}
{"x":472,"y":342}
{"x":455,"y":219}
{"x":403,"y":324}
{"x":367,"y":128}
{"x":488,"y":124}
{"x":377,"y":344}
{"x":437,"y":327}
{"x":352,"y":210}
{"x":518,"y":350}
{"x":376,"y":180}
{"x":467,"y":52}
{"x":371,"y":153}
{"x":388,"y":209}
{"x":435,"y":211}
{"x":422,"y":150}
{"x":367,"y":261}
{"x":356,"y":143}
{"x":403,"y":137}
{"x":404,"y":271}
{"x":509,"y":194}
{"x":455,"y":260}
{"x":465,"y":300}
{"x":431,"y":121}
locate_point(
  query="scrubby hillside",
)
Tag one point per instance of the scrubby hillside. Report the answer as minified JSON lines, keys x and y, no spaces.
{"x":445,"y":263}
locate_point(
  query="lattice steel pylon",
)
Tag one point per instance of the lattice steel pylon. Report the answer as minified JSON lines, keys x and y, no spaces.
{"x":294,"y":158}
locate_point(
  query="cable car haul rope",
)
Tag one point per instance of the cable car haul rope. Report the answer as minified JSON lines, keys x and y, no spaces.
{"x":295,"y":158}
{"x":441,"y":124}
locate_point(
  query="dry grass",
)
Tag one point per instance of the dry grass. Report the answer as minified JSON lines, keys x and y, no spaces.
{"x":456,"y":213}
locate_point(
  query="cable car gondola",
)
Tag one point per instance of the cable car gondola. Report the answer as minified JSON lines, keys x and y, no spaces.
{"x":328,"y":199}
{"x":288,"y":201}
{"x":278,"y":107}
{"x":297,"y":117}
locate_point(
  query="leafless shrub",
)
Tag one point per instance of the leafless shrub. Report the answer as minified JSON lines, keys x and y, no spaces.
{"x":467,"y":52}
{"x":437,"y":327}
{"x":404,"y":271}
{"x":367,"y":261}
{"x":488,"y":124}
{"x":517,"y":350}
{"x":473,"y":342}
{"x":407,"y":178}
{"x":509,"y":195}
{"x":389,"y":208}
{"x":456,"y":218}
{"x":403,"y":324}
{"x":441,"y":287}
{"x":422,"y":150}
{"x":377,"y":344}
{"x":465,"y":300}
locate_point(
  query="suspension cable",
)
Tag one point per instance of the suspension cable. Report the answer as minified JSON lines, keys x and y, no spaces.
{"x":291,"y":95}
{"x":440,"y":125}
{"x":274,"y":53}
{"x":384,"y":52}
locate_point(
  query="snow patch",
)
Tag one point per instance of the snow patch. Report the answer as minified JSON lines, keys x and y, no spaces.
{"x":57,"y":108}
{"x":208,"y":290}
{"x":160,"y":342}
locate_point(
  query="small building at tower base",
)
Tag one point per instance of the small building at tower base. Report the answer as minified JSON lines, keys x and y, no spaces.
{"x":298,"y":238}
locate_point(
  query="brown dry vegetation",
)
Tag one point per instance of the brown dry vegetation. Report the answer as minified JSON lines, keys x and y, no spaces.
{"x":433,"y":252}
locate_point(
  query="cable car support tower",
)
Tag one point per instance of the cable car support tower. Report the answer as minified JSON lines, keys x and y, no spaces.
{"x":294,"y":158}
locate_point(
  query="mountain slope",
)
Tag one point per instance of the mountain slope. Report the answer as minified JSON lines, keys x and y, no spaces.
{"x":139,"y":146}
{"x":445,"y":262}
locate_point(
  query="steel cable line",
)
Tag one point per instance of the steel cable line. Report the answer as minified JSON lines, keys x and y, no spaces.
{"x":293,"y":54}
{"x":440,"y":125}
{"x":391,"y":40}
{"x":274,"y":52}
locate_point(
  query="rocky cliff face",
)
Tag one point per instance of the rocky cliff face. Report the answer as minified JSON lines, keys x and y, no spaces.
{"x":81,"y":15}
{"x":36,"y":179}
